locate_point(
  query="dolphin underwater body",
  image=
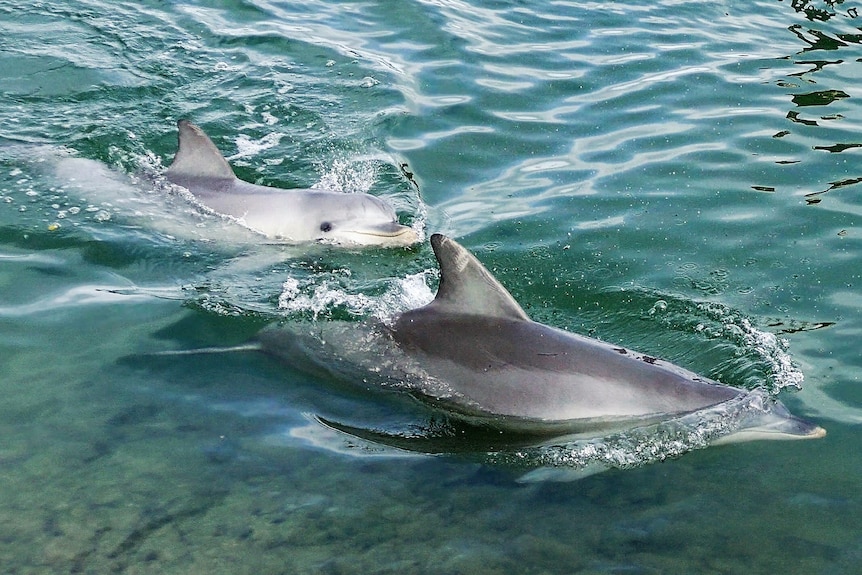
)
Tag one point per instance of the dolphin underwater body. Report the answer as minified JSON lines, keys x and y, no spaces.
{"x":301,"y":215}
{"x":474,"y":352}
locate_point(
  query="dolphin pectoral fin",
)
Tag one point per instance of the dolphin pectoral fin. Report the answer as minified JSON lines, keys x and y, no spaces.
{"x":433,"y":438}
{"x":466,"y":286}
{"x":197,"y":156}
{"x":564,"y":474}
{"x":416,"y":443}
{"x":438,"y":436}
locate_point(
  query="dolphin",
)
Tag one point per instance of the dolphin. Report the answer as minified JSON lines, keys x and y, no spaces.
{"x":475,"y":353}
{"x":296,"y":216}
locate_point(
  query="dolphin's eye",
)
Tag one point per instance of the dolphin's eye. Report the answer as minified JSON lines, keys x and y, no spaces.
{"x":325,"y":227}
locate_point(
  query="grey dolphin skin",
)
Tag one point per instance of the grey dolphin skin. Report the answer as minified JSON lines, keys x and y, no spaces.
{"x":474,"y":352}
{"x":300,"y":215}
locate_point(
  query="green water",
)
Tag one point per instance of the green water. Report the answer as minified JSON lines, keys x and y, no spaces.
{"x":680,"y":178}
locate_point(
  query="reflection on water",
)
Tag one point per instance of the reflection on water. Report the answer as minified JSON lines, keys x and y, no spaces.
{"x":824,"y":67}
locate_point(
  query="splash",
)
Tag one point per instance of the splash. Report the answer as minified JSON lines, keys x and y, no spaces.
{"x":564,"y":460}
{"x":321,"y":298}
{"x":760,"y":359}
{"x":324,"y":298}
{"x":346,"y":175}
{"x":248,"y":148}
{"x":770,"y":349}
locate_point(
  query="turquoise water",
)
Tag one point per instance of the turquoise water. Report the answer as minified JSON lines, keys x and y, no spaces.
{"x":681,"y":178}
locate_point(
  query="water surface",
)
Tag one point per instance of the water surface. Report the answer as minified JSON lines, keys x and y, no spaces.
{"x":681,"y":178}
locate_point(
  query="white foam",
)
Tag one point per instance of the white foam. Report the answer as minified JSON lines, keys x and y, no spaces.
{"x":572,"y":460}
{"x":322,"y":297}
{"x":248,"y":148}
{"x":346,"y":175}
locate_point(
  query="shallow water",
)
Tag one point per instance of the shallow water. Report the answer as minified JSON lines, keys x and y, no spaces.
{"x":676,"y":177}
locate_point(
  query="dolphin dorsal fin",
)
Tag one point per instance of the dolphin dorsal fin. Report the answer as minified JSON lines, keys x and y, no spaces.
{"x":467,"y":287}
{"x":197,"y":155}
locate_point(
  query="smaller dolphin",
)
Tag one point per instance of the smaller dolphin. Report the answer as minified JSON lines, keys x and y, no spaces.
{"x":301,"y":215}
{"x":475,"y":353}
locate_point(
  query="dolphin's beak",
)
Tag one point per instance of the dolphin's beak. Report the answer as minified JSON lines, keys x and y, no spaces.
{"x":779,"y":425}
{"x":795,"y":427}
{"x":389,"y":234}
{"x":403,"y":234}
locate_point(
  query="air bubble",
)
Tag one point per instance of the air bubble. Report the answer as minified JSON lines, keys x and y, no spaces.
{"x":658,"y":307}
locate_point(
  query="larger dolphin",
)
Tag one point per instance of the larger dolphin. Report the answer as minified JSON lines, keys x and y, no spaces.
{"x":299,"y":215}
{"x":474,"y":352}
